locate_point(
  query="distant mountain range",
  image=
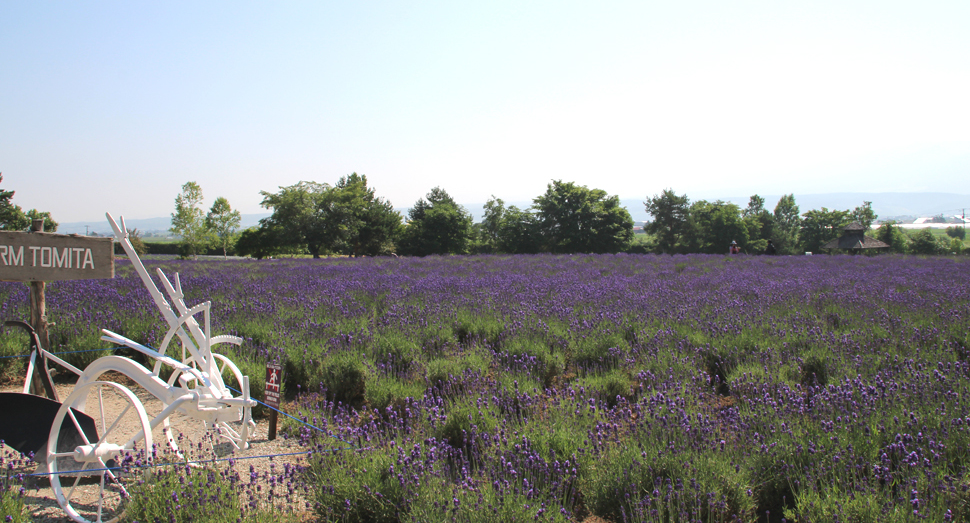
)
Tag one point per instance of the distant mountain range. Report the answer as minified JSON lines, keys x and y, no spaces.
{"x":896,"y":205}
{"x":146,"y":226}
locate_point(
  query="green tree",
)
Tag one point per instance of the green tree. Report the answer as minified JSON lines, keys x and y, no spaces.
{"x":49,"y":224}
{"x":821,"y":226}
{"x":347,"y":218}
{"x":491,"y":224}
{"x":296,"y":223}
{"x":957,"y":232}
{"x":924,"y":241}
{"x":188,"y":220}
{"x":785,"y":225}
{"x":436,"y":225}
{"x":864,"y":215}
{"x":223,"y":221}
{"x":13,"y":218}
{"x":359,"y":222}
{"x":956,"y":246}
{"x":574,"y":218}
{"x":669,"y":223}
{"x":134,"y":236}
{"x":260,"y":242}
{"x":760,"y":224}
{"x":509,"y":229}
{"x":519,"y":232}
{"x":715,"y":225}
{"x":892,"y":235}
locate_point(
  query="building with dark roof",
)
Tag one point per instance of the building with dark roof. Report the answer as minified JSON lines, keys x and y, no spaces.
{"x":854,"y":239}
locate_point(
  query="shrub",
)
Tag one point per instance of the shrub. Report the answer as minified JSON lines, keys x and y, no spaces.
{"x":682,"y":488}
{"x":357,"y":485}
{"x":12,"y":490}
{"x":473,"y":327}
{"x":924,"y":242}
{"x":599,"y":352}
{"x":344,"y":377}
{"x":957,"y":232}
{"x":534,"y":358}
{"x":464,"y":421}
{"x":814,"y":371}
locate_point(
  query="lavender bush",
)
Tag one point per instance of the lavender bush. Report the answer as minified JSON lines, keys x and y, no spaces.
{"x":12,"y":490}
{"x":636,"y":388}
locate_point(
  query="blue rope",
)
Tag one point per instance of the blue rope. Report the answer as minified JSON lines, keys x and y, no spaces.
{"x":65,"y":352}
{"x":295,"y":418}
{"x":165,"y":464}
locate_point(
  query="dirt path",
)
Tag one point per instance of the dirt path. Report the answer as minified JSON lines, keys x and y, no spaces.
{"x":40,"y":497}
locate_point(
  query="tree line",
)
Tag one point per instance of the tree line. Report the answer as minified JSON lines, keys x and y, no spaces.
{"x":347,"y":218}
{"x":680,"y":226}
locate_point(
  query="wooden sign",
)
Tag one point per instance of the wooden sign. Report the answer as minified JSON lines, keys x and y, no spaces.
{"x":40,"y":256}
{"x":274,"y":375}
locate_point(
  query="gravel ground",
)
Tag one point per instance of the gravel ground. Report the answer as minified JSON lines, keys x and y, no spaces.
{"x":40,"y":497}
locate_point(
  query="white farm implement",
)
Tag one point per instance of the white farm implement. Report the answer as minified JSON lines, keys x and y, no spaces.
{"x":93,"y":441}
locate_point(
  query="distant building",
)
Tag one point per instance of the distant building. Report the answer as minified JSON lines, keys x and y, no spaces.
{"x":854,"y":239}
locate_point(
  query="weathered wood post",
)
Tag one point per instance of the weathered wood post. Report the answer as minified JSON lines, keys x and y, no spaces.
{"x":38,"y":307}
{"x":38,"y":320}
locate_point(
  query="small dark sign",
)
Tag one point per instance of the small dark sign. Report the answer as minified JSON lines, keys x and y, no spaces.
{"x":274,"y":375}
{"x":41,"y":256}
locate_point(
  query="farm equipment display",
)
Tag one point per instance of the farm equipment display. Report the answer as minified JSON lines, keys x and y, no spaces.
{"x":92,"y":443}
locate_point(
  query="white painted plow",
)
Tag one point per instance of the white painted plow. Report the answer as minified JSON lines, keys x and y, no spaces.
{"x":101,"y":433}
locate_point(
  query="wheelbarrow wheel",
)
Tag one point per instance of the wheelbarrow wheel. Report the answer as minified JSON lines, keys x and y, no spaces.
{"x":92,"y":475}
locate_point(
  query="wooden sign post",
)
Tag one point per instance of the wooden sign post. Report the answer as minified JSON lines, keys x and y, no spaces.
{"x":274,"y":382}
{"x":37,"y":257}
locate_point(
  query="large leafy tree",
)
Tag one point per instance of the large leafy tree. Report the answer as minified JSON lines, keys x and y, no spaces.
{"x":296,"y":222}
{"x":820,"y":226}
{"x":520,"y":232}
{"x":260,"y":242}
{"x":436,"y":225}
{"x":892,"y":235}
{"x":13,"y":218}
{"x":669,"y":223}
{"x":188,"y":220}
{"x":223,"y":221}
{"x":785,"y":225}
{"x":714,"y":225}
{"x":760,"y":224}
{"x":864,"y":215}
{"x":489,"y":229}
{"x":346,"y":218}
{"x":509,"y":229}
{"x":574,"y":218}
{"x":359,"y":222}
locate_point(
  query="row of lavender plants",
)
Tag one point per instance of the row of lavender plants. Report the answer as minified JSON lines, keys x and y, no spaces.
{"x":552,"y":388}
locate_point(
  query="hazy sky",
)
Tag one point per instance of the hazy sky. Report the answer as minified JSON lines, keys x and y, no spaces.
{"x":113,"y":106}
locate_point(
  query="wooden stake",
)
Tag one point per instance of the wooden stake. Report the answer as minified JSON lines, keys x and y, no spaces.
{"x":273,"y":417}
{"x":38,"y":320}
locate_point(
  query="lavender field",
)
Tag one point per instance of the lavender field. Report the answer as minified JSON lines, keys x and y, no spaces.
{"x":555,"y":388}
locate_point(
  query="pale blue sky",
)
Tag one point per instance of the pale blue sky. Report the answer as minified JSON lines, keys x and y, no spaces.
{"x":113,"y":106}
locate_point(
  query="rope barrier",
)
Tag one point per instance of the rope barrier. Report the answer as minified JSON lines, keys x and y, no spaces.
{"x":172,"y":463}
{"x":65,"y":352}
{"x":298,"y":420}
